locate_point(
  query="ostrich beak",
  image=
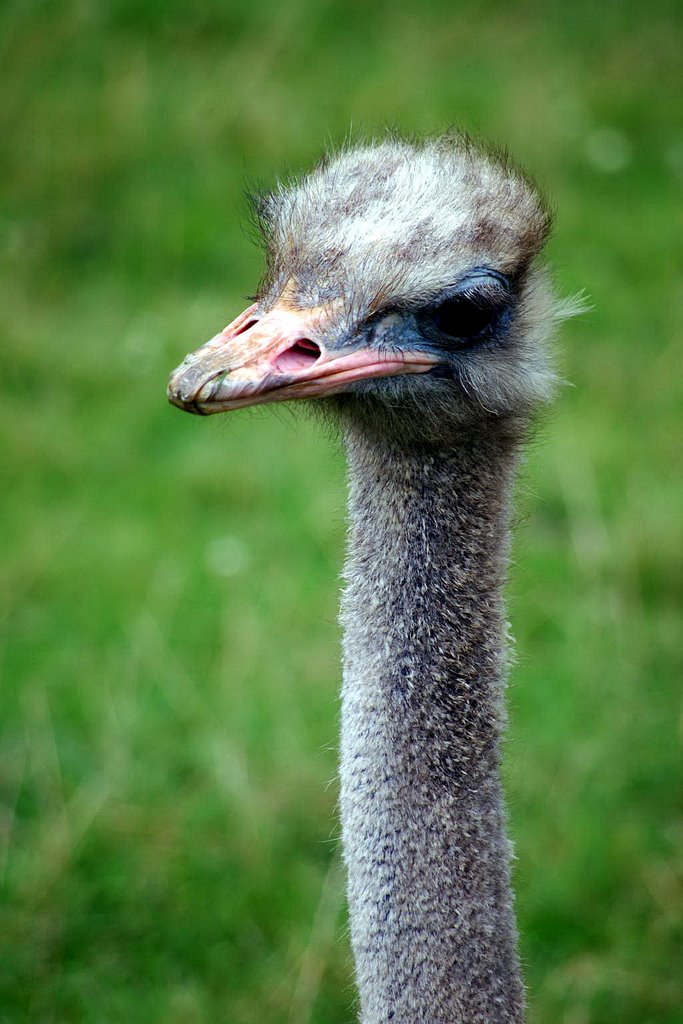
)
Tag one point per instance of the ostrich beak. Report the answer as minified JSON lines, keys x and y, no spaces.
{"x":277,"y":357}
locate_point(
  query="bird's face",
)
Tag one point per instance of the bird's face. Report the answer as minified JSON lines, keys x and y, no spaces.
{"x":440,"y":320}
{"x":285,"y":354}
{"x":288,"y":353}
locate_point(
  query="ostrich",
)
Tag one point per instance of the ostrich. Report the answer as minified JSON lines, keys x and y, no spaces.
{"x":402,"y":292}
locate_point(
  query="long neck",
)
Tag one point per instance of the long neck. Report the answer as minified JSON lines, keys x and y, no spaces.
{"x":432,"y":923}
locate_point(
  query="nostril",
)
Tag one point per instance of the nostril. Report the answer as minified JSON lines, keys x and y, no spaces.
{"x":302,"y":354}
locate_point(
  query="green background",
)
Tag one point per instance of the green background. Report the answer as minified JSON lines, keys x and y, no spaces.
{"x":169,"y":655}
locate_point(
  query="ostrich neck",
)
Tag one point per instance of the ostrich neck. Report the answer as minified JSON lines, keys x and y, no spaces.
{"x":432,"y":923}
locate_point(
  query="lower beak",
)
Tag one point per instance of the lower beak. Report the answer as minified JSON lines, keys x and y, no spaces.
{"x":275,"y":358}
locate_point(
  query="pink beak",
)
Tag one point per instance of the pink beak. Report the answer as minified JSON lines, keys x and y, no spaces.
{"x":276,"y":357}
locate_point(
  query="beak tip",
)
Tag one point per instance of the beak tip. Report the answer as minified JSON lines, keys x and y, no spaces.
{"x":181,"y":398}
{"x":189,"y":406}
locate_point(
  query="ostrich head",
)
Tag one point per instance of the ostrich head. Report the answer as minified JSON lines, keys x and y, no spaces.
{"x":401,"y":279}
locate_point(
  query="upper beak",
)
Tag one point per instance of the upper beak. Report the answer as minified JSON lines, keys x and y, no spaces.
{"x":275,"y":357}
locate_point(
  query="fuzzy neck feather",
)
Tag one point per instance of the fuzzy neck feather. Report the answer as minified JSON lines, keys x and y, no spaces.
{"x":432,"y":922}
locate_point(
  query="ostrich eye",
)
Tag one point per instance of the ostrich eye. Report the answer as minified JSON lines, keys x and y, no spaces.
{"x":464,"y":318}
{"x":469,"y":314}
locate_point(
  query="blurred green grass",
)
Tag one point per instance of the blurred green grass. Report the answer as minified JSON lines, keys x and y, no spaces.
{"x":169,"y":586}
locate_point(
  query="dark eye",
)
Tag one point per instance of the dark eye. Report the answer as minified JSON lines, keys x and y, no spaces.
{"x":481,"y":306}
{"x":465,"y":317}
